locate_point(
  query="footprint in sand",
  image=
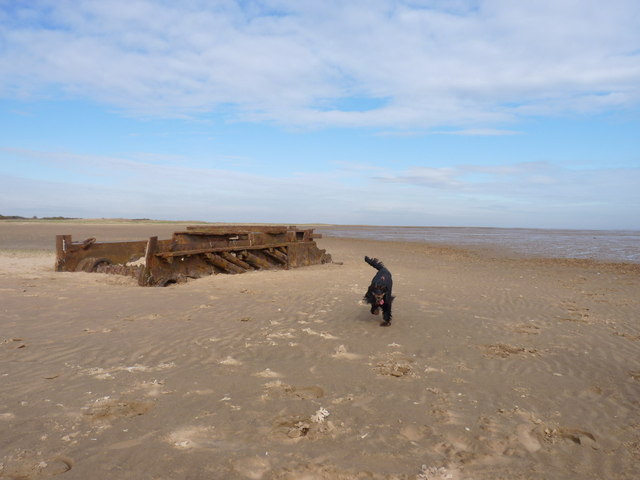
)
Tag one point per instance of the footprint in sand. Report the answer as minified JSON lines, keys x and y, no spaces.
{"x":106,"y":409}
{"x":280,"y":389}
{"x":26,"y":465}
{"x":527,"y":328}
{"x":313,"y":427}
{"x":395,"y":365}
{"x":414,"y":433}
{"x":187,"y":438}
{"x":526,"y":437}
{"x":574,"y":435}
{"x":150,"y":316}
{"x":253,"y":467}
{"x":501,"y":350}
{"x":575,"y":314}
{"x":628,"y":336}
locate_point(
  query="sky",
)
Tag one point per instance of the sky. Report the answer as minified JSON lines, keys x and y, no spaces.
{"x":383,"y":112}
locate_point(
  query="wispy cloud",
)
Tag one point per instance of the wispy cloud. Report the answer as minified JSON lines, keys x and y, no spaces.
{"x":490,"y":132}
{"x":470,"y":65}
{"x":517,"y":194}
{"x":539,"y":184}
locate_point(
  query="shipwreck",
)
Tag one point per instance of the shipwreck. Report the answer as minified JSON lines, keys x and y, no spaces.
{"x":195,"y":252}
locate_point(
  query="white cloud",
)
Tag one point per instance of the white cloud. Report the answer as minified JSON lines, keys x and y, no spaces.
{"x":465,"y":64}
{"x":541,"y":186}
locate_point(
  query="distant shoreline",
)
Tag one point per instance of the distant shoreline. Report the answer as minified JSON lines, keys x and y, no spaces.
{"x":149,"y":221}
{"x":135,"y":221}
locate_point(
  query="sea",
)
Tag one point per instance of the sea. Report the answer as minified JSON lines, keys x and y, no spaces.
{"x":619,"y":246}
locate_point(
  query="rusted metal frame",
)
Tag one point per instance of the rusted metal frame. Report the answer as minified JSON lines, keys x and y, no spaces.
{"x":86,"y":255}
{"x":145,"y":275}
{"x":181,"y":253}
{"x":258,"y":248}
{"x":92,"y":264}
{"x":226,"y":230}
{"x":189,"y":242}
{"x":268,"y":239}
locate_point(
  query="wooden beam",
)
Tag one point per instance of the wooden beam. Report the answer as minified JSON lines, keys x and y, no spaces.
{"x":220,"y":262}
{"x":63,"y":242}
{"x":256,"y":261}
{"x":233,"y":259}
{"x":196,"y":251}
{"x":145,"y":274}
{"x":277,"y":255}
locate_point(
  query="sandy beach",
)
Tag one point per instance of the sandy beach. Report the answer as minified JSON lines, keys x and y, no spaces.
{"x":493,"y":368}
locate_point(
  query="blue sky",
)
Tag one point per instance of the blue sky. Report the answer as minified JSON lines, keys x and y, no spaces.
{"x":408,"y":112}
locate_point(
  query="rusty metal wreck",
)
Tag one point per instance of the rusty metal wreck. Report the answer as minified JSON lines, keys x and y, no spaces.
{"x":195,"y":252}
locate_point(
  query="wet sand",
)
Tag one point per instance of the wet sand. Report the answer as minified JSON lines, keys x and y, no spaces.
{"x":493,"y":368}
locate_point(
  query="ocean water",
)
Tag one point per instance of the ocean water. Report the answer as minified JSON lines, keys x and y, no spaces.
{"x":601,"y":245}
